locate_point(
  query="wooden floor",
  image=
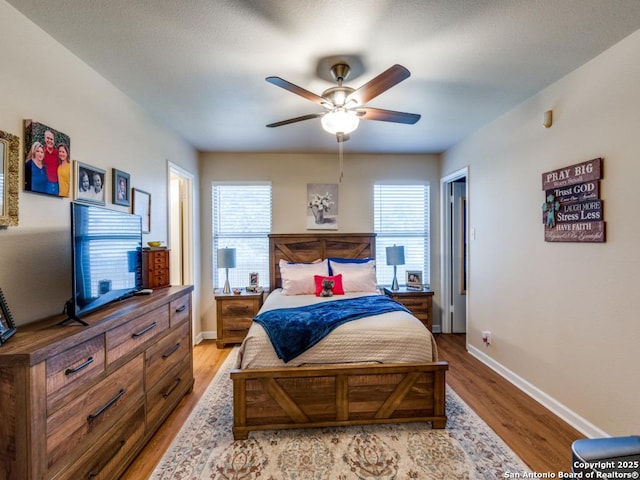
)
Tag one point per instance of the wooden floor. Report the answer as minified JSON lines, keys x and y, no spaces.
{"x":540,"y":438}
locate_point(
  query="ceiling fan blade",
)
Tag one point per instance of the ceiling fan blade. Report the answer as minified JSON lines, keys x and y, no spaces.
{"x":383,"y":82}
{"x":368,"y":113}
{"x":294,"y":120}
{"x":279,"y":82}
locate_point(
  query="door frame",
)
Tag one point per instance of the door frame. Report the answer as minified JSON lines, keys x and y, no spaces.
{"x":188,"y":227}
{"x":445,"y":247}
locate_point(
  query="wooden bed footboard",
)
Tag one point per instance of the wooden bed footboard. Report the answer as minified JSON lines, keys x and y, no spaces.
{"x":279,"y":398}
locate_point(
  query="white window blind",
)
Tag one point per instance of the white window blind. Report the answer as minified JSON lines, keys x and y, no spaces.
{"x":401,"y":217}
{"x":242,"y":220}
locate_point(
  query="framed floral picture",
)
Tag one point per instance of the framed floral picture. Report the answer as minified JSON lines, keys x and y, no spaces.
{"x":322,"y":206}
{"x":89,"y":183}
{"x":120,"y":188}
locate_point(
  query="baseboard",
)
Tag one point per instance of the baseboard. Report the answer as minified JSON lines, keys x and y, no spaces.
{"x":210,"y":335}
{"x":569,"y":416}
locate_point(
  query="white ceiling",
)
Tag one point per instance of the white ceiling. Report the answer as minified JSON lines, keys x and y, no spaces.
{"x":199,"y":66}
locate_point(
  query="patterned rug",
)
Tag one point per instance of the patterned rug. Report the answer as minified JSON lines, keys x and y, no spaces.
{"x":204,"y":448}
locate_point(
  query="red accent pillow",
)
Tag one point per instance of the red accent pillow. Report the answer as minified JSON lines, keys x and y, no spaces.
{"x":337,"y":284}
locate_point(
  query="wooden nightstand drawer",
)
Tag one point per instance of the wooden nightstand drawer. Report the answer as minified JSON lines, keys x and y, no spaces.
{"x":415,"y":304}
{"x":419,"y":302}
{"x":239,"y":308}
{"x":235,"y":314}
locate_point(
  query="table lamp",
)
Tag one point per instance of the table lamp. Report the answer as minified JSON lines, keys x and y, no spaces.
{"x":226,"y":260}
{"x":395,"y":257}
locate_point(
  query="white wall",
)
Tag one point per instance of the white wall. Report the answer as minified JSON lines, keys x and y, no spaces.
{"x":564,"y":318}
{"x":290,"y":173}
{"x":41,"y":80}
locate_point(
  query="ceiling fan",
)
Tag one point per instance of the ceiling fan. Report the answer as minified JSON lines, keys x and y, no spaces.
{"x":344,"y":106}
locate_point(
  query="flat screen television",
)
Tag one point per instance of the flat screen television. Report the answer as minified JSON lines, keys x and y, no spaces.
{"x":106,"y":248}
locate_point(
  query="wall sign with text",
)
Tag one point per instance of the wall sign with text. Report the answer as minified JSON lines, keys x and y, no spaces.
{"x":572,"y":210}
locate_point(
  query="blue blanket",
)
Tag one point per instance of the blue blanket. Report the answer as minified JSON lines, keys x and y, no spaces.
{"x":292,"y":331}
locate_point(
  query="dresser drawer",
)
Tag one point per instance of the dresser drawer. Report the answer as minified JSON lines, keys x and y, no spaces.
{"x":67,"y":370}
{"x":104,"y":460}
{"x":126,"y":338}
{"x":168,"y":352}
{"x":168,"y":391}
{"x":88,"y":416}
{"x":180,"y":309}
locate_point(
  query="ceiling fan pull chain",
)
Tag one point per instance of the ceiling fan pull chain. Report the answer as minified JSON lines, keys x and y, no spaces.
{"x":341,"y":160}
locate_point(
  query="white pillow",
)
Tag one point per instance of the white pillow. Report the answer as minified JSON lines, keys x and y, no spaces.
{"x":299,"y":278}
{"x":356,"y":277}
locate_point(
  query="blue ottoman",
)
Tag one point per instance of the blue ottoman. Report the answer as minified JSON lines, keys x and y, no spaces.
{"x":606,"y":455}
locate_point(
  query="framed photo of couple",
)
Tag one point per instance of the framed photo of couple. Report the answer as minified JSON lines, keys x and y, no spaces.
{"x":120,"y":189}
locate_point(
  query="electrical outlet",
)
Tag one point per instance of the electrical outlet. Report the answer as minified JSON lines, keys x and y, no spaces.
{"x":486,"y":337}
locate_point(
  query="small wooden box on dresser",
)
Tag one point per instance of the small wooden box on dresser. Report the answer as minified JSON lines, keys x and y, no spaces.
{"x":155,"y":268}
{"x":80,"y":402}
{"x":234,"y":314}
{"x":420,"y":302}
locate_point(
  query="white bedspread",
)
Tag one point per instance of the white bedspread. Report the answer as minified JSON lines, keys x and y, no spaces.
{"x":394,"y":337}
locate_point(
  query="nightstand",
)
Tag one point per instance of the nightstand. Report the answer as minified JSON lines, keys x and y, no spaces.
{"x":234,"y":315}
{"x":419,"y":302}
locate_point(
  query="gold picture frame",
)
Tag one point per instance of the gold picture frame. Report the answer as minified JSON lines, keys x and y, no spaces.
{"x":10,"y":180}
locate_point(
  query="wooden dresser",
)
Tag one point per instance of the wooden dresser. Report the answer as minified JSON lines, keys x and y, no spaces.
{"x":420,"y":302}
{"x":81,"y":401}
{"x":234,"y":314}
{"x":155,"y":268}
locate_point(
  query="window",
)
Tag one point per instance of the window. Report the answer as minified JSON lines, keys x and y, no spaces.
{"x":401,"y":217}
{"x":242,"y":220}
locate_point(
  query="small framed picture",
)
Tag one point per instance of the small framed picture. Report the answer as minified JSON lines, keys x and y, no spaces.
{"x":89,"y":183}
{"x":7,"y":327}
{"x":414,"y":279}
{"x":141,"y":202}
{"x":253,"y":279}
{"x":120,"y":187}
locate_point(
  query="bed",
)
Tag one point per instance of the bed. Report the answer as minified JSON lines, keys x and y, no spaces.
{"x":269,"y":394}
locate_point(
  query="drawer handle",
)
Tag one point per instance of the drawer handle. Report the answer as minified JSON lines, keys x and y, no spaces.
{"x":69,"y":371}
{"x":93,"y":416}
{"x":171,"y":351}
{"x":172,"y":388}
{"x":181,"y":309}
{"x":97,"y":471}
{"x":144,"y":330}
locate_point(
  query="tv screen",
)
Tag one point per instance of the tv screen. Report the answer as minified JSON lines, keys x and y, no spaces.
{"x":106,"y":257}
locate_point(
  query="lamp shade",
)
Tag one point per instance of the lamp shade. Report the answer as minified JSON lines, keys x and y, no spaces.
{"x":340,"y":120}
{"x":226,"y":258}
{"x":395,"y":255}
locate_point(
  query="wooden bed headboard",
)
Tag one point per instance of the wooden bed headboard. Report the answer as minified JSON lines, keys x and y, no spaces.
{"x":307,"y":247}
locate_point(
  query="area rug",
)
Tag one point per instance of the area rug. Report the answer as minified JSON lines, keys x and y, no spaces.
{"x":205,"y":449}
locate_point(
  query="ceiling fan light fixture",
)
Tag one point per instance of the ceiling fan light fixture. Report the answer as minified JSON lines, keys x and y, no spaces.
{"x":340,"y":121}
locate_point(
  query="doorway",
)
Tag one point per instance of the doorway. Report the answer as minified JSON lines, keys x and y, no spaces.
{"x":180,"y":199}
{"x":455,"y":207}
